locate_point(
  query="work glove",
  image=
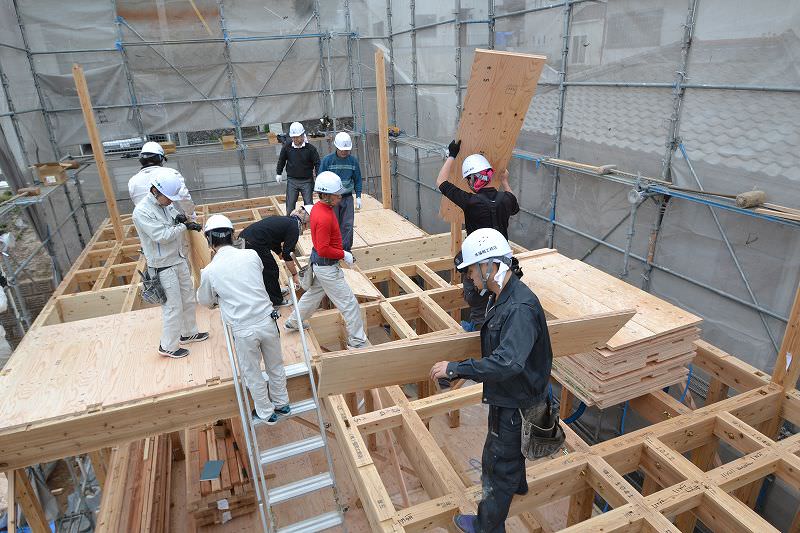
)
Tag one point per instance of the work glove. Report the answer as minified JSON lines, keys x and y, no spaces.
{"x":278,"y":178}
{"x":358,"y":203}
{"x":453,"y":148}
{"x":193,"y":226}
{"x":181,"y":219}
{"x":3,"y":281}
{"x":348,"y":258}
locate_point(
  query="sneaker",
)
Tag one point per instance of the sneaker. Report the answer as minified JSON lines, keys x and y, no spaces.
{"x":292,"y":327}
{"x":466,"y":522}
{"x":282,"y":303}
{"x":176,"y":354}
{"x":197,"y":337}
{"x":278,"y":414}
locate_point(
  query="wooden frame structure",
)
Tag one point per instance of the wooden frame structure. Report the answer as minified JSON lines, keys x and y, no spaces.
{"x":417,"y":312}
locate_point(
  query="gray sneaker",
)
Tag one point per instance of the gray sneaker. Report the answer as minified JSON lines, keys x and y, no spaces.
{"x":290,"y":326}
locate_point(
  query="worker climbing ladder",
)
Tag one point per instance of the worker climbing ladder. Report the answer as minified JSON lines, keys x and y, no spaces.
{"x":259,"y":460}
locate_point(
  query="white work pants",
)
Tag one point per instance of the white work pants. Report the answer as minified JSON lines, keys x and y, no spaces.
{"x":5,"y":348}
{"x":253,"y":345}
{"x":177,"y":314}
{"x":329,"y":281}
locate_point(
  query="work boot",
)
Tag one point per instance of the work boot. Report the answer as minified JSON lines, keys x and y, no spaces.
{"x":175,"y":354}
{"x":197,"y":337}
{"x":466,"y":522}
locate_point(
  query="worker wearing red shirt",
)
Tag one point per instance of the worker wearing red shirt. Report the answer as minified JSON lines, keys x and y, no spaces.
{"x":328,"y":278}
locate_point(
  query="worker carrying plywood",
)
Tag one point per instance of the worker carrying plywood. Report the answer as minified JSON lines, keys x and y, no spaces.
{"x":161,"y":228}
{"x":277,"y":234}
{"x":327,"y":276}
{"x":515,"y":372}
{"x":485,"y":207}
{"x":233,"y":281}
{"x":345,"y":165}
{"x":301,"y":160}
{"x":152,"y":159}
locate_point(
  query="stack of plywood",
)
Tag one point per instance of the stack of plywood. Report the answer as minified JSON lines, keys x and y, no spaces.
{"x":229,"y":495}
{"x":650,"y":352}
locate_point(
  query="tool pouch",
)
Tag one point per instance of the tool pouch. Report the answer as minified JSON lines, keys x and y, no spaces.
{"x":152,"y":290}
{"x":306,"y":275}
{"x":543,"y":437}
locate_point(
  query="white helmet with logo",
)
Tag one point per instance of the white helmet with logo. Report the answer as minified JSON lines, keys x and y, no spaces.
{"x":474,"y":164}
{"x":328,"y":183}
{"x":483,"y":245}
{"x":168,"y":184}
{"x":342,"y":141}
{"x":296,"y":129}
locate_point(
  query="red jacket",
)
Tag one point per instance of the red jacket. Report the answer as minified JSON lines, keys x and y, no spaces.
{"x":325,"y":234}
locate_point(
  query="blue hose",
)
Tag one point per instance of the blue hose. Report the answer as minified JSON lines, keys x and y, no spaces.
{"x":576,"y":415}
{"x":622,"y":421}
{"x":688,"y":381}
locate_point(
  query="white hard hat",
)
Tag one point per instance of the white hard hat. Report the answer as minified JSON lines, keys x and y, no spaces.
{"x":218,"y":222}
{"x":296,"y":129}
{"x":168,"y":184}
{"x":151,"y":147}
{"x":474,"y":164}
{"x":327,"y":182}
{"x":482,"y":245}
{"x":342,"y":141}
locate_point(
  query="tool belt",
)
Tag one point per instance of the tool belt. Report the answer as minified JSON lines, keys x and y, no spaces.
{"x":542,"y":437}
{"x":306,"y":275}
{"x":152,"y":290}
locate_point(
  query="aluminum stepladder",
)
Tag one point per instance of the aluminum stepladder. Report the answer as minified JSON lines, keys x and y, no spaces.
{"x":265,"y":496}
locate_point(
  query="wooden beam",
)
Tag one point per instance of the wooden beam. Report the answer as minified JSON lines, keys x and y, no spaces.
{"x":499,"y":93}
{"x":97,"y":150}
{"x":29,"y":502}
{"x":11,"y":512}
{"x":409,"y":361}
{"x":383,"y":130}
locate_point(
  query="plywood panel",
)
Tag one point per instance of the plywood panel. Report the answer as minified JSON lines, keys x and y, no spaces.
{"x":499,"y":93}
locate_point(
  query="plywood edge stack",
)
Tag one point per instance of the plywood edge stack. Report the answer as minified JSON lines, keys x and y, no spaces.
{"x":232,"y":493}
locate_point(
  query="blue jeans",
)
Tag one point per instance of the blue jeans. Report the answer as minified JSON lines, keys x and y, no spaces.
{"x":345,"y":213}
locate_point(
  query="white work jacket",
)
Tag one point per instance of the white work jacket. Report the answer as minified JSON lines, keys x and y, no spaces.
{"x":139,"y":188}
{"x":234,"y":280}
{"x":160,"y":236}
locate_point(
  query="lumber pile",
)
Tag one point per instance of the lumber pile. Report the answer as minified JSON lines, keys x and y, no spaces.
{"x":137,"y":488}
{"x":650,"y":352}
{"x":229,"y":495}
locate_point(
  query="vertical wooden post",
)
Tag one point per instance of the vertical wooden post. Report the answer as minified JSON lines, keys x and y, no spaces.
{"x":383,"y":130}
{"x":12,"y":502}
{"x":97,"y":149}
{"x":29,"y":502}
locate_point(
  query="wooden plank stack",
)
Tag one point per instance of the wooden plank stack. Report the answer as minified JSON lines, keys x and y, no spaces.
{"x":137,"y":489}
{"x":650,"y":352}
{"x":232,"y":493}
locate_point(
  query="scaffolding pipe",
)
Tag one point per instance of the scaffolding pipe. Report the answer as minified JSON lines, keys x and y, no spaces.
{"x":13,"y":114}
{"x":562,"y":89}
{"x":137,"y":113}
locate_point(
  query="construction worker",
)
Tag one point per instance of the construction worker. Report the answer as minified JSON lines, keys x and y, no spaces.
{"x":345,"y":165}
{"x":301,"y":160}
{"x":152,"y":159}
{"x":325,"y":256}
{"x":233,"y":281}
{"x":485,"y":207}
{"x":277,"y":234}
{"x":161,"y":228}
{"x":514,"y":369}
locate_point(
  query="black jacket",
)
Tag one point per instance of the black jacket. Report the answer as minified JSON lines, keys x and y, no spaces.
{"x":300,"y":163}
{"x":477,"y":207}
{"x":279,"y":234}
{"x":515,"y":348}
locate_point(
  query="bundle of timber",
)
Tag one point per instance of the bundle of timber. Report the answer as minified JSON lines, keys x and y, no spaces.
{"x":650,"y":352}
{"x":229,"y":495}
{"x":137,"y":487}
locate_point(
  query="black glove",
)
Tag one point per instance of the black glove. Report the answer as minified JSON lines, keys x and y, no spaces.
{"x":181,"y":219}
{"x":3,"y":281}
{"x":453,"y":148}
{"x":193,"y":226}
